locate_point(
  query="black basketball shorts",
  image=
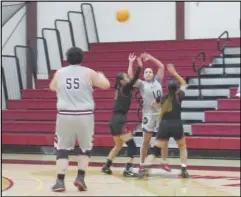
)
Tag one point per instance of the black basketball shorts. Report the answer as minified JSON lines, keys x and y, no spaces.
{"x":170,"y":128}
{"x":117,"y":124}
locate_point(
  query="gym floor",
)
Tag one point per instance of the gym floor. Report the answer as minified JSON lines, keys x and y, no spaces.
{"x":34,"y":175}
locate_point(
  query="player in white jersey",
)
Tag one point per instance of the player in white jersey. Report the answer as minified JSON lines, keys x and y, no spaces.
{"x":150,"y":89}
{"x":75,"y":120}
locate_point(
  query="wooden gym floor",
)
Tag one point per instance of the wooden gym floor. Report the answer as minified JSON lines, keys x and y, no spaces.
{"x":34,"y":175}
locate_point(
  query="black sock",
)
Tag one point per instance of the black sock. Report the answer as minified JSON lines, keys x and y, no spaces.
{"x":184,"y":168}
{"x":61,"y":176}
{"x":81,"y":173}
{"x":156,"y":151}
{"x":108,"y":163}
{"x":128,"y":166}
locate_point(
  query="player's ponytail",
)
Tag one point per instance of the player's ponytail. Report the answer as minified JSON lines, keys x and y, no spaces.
{"x":166,"y":102}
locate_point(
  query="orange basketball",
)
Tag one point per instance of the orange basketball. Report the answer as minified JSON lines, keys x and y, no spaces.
{"x":122,"y":15}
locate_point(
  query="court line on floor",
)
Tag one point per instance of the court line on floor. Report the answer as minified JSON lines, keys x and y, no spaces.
{"x":10,"y":184}
{"x":38,"y":188}
{"x":99,"y":164}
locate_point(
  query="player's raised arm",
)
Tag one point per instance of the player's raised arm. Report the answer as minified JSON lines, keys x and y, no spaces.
{"x":54,"y":82}
{"x":99,"y":80}
{"x":132,"y":58}
{"x":161,"y":67}
{"x":173,"y":72}
{"x":129,"y":86}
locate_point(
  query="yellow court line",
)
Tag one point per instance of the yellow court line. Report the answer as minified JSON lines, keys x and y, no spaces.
{"x":40,"y":186}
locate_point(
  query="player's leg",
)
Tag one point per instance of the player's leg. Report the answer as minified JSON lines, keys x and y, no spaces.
{"x":131,"y":151}
{"x":164,"y":150}
{"x":155,"y":151}
{"x":148,"y":127}
{"x":116,"y":126}
{"x":164,"y":155}
{"x":183,"y":156}
{"x":178,"y":134}
{"x":145,"y":147}
{"x":116,"y":149}
{"x":85,"y":133}
{"x":64,"y":142}
{"x":113,"y":153}
{"x":162,"y":138}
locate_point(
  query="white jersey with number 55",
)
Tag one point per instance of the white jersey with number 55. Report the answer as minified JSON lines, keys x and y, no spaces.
{"x":74,"y":89}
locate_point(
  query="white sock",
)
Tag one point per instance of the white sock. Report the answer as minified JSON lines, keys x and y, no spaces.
{"x":163,"y":161}
{"x":151,"y":159}
{"x":183,"y":165}
{"x":62,"y":166}
{"x":83,"y":162}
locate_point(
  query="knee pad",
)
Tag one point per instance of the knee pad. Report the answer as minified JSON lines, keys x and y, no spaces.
{"x":131,"y":148}
{"x":81,"y":152}
{"x":156,"y":151}
{"x":62,"y":154}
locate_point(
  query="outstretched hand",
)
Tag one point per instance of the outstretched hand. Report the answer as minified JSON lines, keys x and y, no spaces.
{"x":132,"y":57}
{"x":171,"y":69}
{"x":146,"y":57}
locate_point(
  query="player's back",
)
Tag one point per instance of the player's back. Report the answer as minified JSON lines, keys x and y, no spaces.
{"x":74,"y":91}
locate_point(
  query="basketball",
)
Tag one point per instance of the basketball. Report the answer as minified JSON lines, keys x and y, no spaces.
{"x":122,"y":15}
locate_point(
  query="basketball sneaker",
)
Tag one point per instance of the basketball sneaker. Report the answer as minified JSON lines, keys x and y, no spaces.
{"x":143,"y":171}
{"x":106,"y":170}
{"x":129,"y":173}
{"x":184,"y":173}
{"x":59,"y":186}
{"x":80,"y":184}
{"x":165,"y":167}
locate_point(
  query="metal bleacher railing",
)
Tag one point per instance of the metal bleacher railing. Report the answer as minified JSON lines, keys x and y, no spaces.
{"x":41,"y":61}
{"x":198,"y":70}
{"x":222,"y":47}
{"x":11,"y":79}
{"x":202,"y":55}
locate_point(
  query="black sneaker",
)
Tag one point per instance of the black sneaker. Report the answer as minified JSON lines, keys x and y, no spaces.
{"x":129,"y":173}
{"x":184,"y":173}
{"x":80,"y":184}
{"x":106,"y":170}
{"x":59,"y":186}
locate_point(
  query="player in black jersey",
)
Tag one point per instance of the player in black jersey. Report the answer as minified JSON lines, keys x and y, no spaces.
{"x":124,"y":87}
{"x":170,"y":121}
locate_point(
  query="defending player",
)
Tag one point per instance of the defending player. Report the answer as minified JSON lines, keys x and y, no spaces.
{"x":124,"y":87}
{"x":150,"y":89}
{"x":75,"y":120}
{"x":171,"y":123}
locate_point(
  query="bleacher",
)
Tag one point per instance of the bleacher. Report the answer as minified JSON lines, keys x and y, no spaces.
{"x":31,"y":120}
